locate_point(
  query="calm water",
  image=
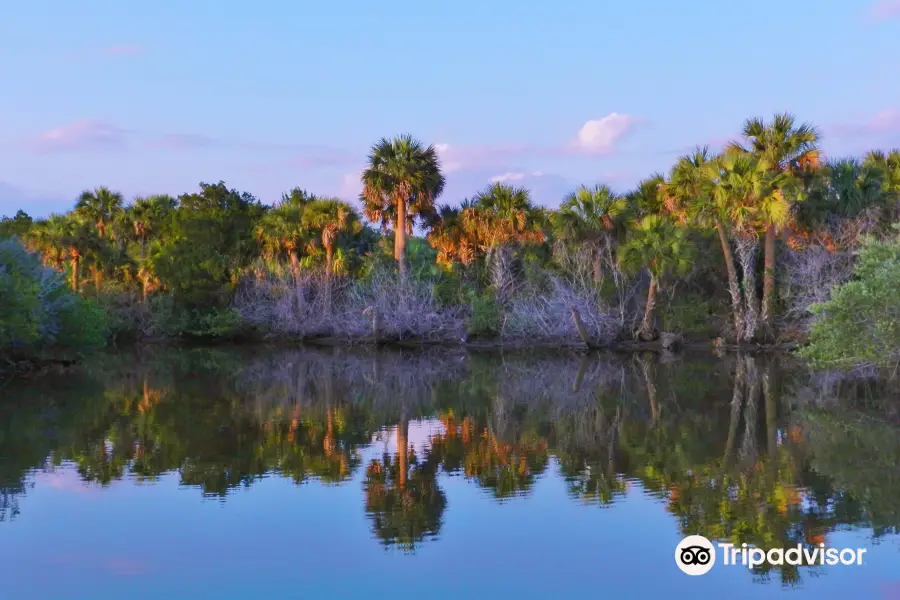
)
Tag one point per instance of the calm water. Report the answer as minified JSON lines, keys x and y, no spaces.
{"x":264,"y":473}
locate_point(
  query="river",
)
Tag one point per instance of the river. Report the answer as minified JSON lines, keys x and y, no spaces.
{"x":262,"y":472}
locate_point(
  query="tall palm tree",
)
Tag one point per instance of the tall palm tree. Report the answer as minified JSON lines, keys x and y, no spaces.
{"x":328,"y":217}
{"x":100,"y":206}
{"x":743,"y":188}
{"x":689,"y":191}
{"x":400,"y":184}
{"x":80,"y":240}
{"x":146,"y":216}
{"x":281,"y":231}
{"x":656,"y":244}
{"x":594,"y":217}
{"x":787,"y":148}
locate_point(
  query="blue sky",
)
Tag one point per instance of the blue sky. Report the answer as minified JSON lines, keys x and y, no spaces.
{"x":155,"y":97}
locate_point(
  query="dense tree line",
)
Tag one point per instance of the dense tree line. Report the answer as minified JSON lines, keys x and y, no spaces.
{"x":742,"y":235}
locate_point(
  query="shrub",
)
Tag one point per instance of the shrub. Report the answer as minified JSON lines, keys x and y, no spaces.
{"x":38,"y":312}
{"x":486,"y":319}
{"x":860,"y":324}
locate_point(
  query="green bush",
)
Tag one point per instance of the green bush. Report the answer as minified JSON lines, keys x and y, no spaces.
{"x":38,"y":312}
{"x":486,"y":316}
{"x":861,"y":322}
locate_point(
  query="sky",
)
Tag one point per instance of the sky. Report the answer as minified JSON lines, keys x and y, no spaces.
{"x":156,"y":97}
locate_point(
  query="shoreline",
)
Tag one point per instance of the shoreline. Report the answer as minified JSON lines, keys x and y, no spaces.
{"x":37,"y":367}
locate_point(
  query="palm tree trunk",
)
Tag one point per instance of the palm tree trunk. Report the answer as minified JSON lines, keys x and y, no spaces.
{"x":737,"y":402}
{"x":645,"y":333}
{"x":329,"y":261}
{"x":768,"y":299}
{"x":770,"y":390}
{"x":747,"y":256}
{"x":101,"y":228}
{"x":402,"y":450}
{"x":96,"y":276}
{"x":733,"y":286}
{"x":400,"y":236}
{"x":597,"y":267}
{"x":75,"y":265}
{"x":143,"y":242}
{"x":651,"y":389}
{"x":295,"y":265}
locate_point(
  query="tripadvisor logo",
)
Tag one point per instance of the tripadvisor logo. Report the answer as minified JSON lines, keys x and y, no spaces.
{"x":695,"y":555}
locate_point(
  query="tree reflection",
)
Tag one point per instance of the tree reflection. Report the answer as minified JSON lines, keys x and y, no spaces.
{"x":737,"y":449}
{"x":403,"y":499}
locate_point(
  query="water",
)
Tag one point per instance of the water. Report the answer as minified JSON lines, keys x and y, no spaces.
{"x":265,"y":473}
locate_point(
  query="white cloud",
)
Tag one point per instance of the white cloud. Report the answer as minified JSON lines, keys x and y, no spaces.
{"x":80,"y":135}
{"x":513,"y":176}
{"x":600,"y":135}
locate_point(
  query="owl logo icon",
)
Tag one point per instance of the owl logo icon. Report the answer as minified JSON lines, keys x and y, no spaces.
{"x":695,"y":555}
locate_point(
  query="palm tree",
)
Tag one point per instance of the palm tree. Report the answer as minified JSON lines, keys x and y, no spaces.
{"x":400,"y":184}
{"x":743,"y":188}
{"x":787,"y":149}
{"x":147,"y":215}
{"x":452,"y":235}
{"x":328,"y":217}
{"x":689,"y":191}
{"x":592,"y":217}
{"x":80,"y":240}
{"x":656,"y":244}
{"x":100,"y":206}
{"x":505,"y":215}
{"x":889,"y":167}
{"x":46,"y":237}
{"x":648,"y":197}
{"x":281,"y":230}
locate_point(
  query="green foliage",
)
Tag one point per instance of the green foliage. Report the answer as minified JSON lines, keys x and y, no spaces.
{"x":38,"y":312}
{"x":655,"y":243}
{"x":83,"y":326}
{"x":167,"y":267}
{"x":17,"y":226}
{"x":486,"y":318}
{"x":208,"y":241}
{"x":217,"y":324}
{"x":861,"y":322}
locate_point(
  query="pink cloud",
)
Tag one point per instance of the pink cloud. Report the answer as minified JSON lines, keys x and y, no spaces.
{"x":884,"y":10}
{"x":885,"y":122}
{"x":86,"y":134}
